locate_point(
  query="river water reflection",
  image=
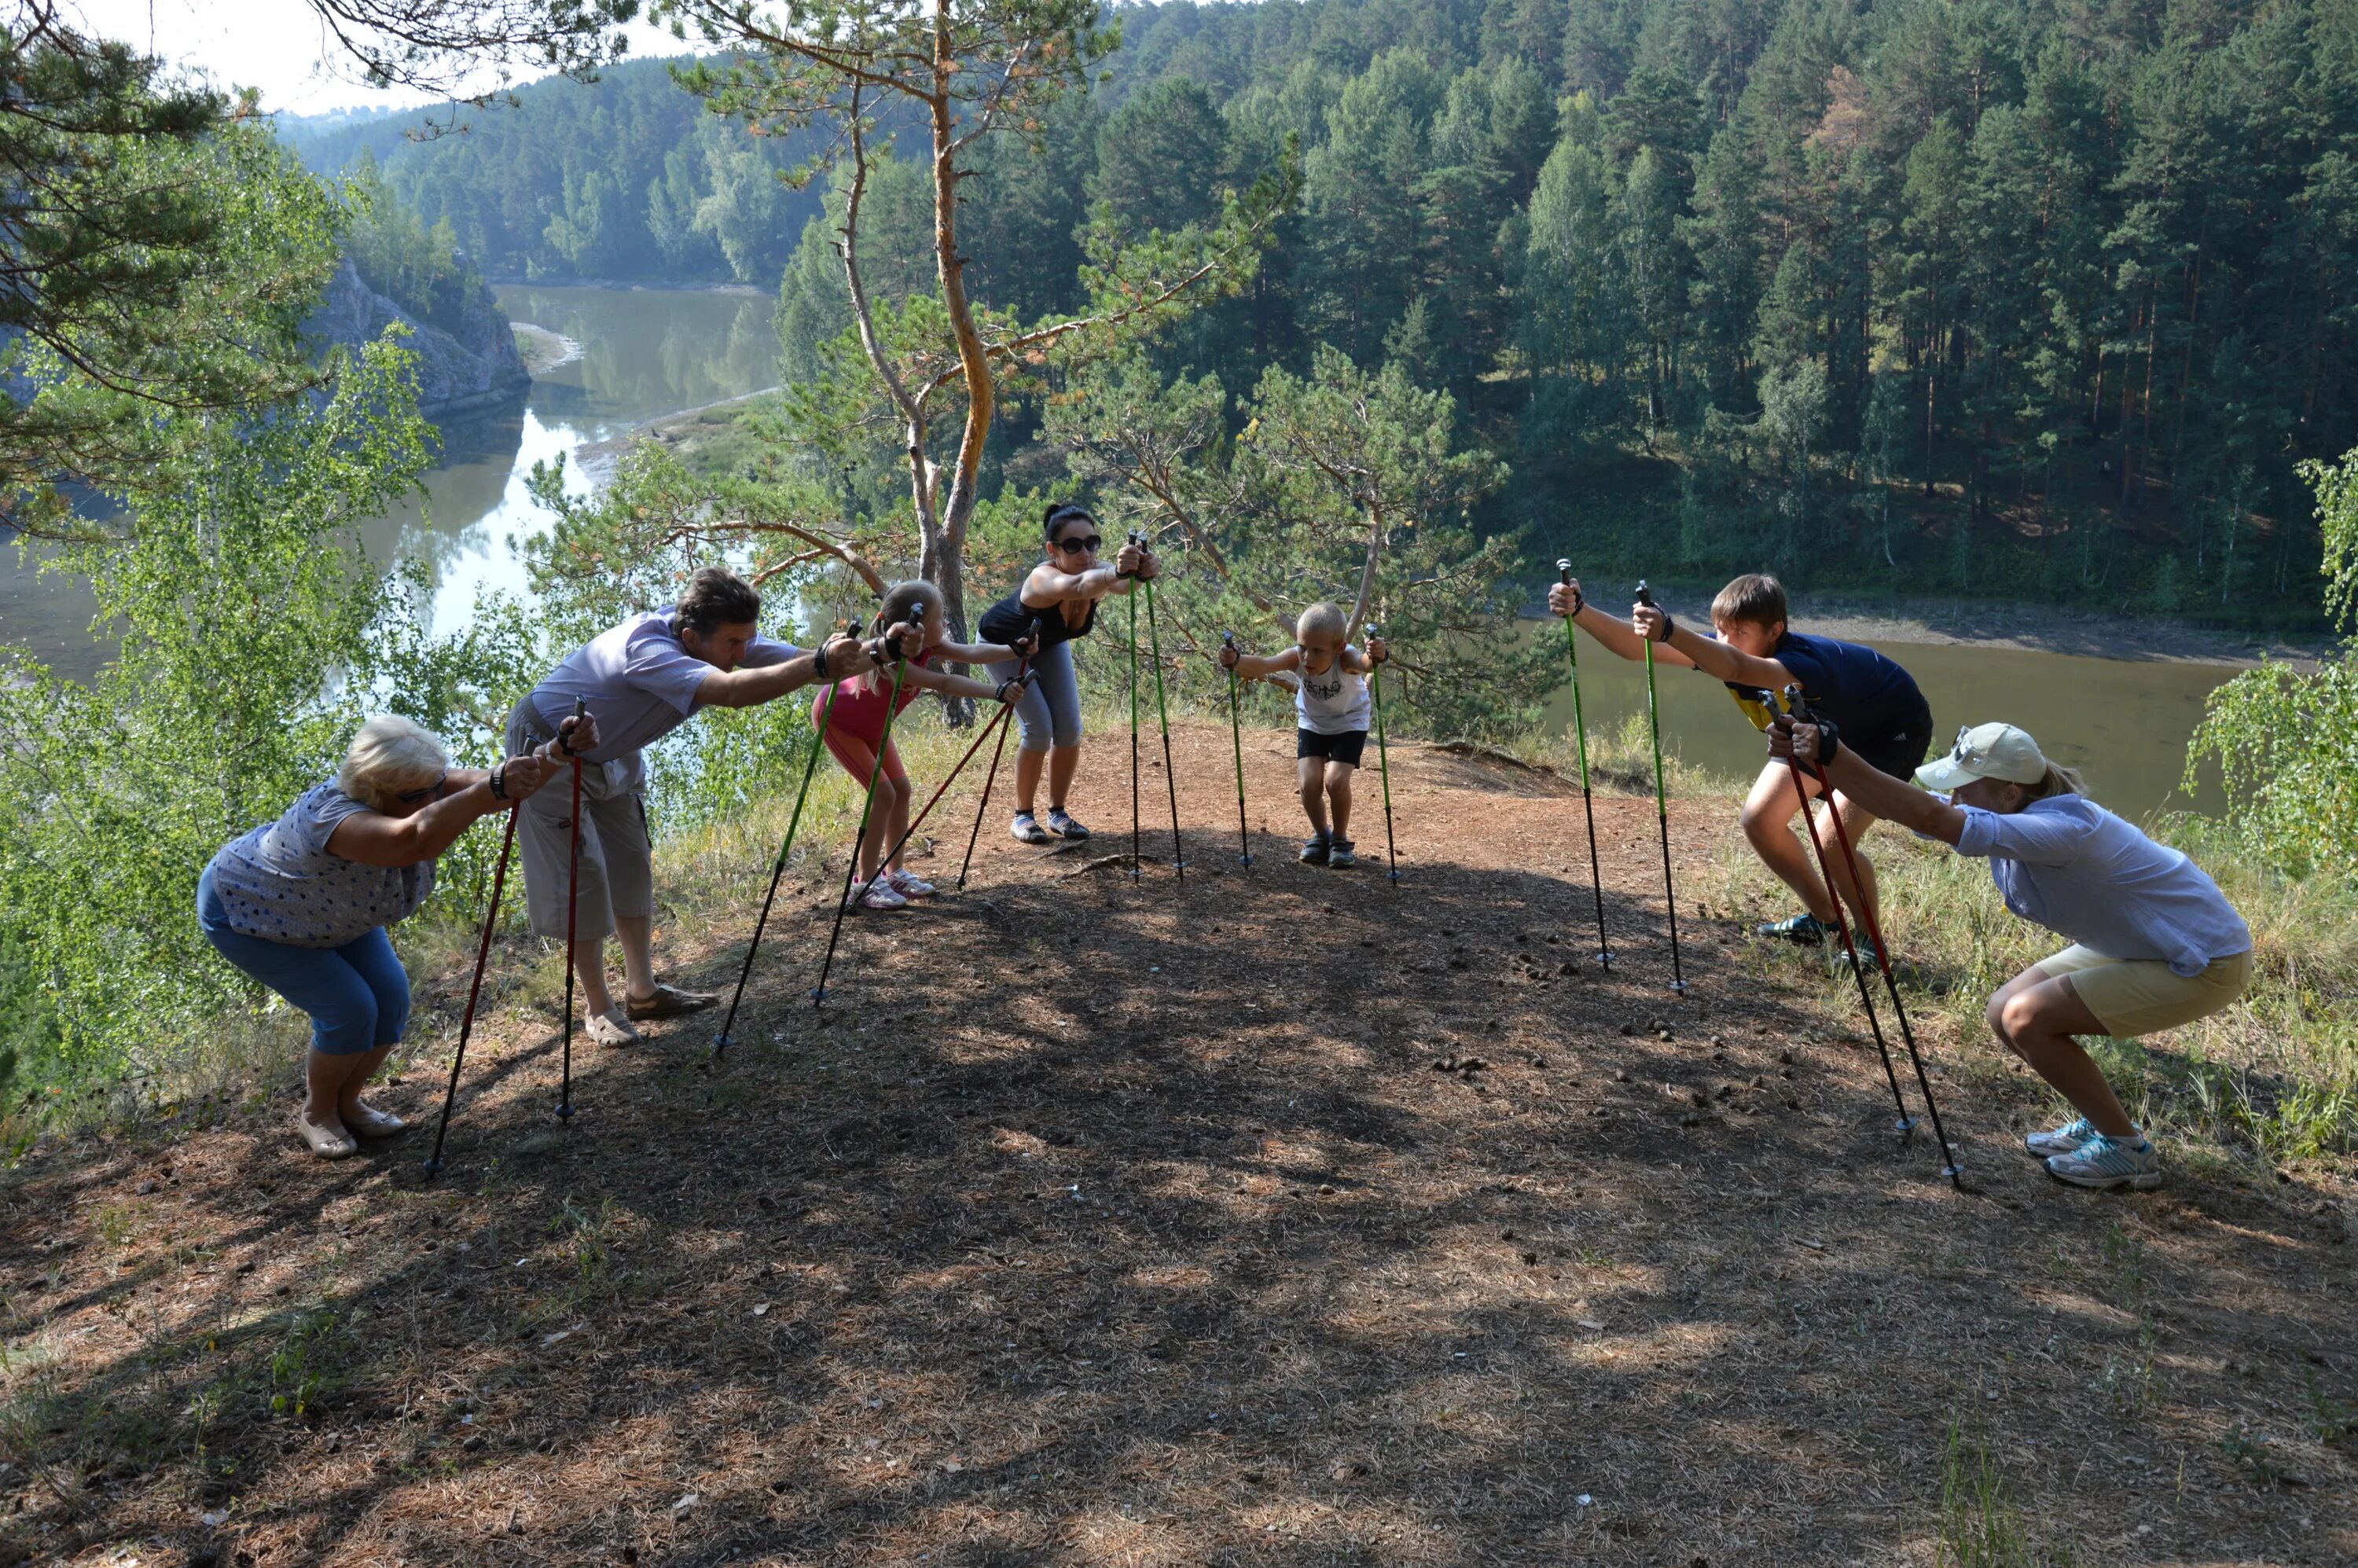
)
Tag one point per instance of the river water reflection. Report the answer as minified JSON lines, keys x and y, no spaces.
{"x":644,"y":353}
{"x":2125,"y":721}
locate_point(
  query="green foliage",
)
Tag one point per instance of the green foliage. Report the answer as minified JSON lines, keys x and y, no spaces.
{"x":1981,"y":1525}
{"x":2286,"y":741}
{"x":239,"y":599}
{"x":417,"y":267}
{"x":162,"y":253}
{"x":1341,"y":484}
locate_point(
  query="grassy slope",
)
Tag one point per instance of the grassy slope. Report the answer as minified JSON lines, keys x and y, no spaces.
{"x":1281,"y":1216}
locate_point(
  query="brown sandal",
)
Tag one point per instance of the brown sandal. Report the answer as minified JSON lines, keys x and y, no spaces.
{"x":669,"y":1001}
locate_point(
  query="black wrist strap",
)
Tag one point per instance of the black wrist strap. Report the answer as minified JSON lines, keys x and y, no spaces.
{"x":818,"y":663}
{"x":1668,"y":626}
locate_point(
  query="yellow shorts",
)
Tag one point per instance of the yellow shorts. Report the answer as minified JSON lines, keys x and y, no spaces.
{"x":2132,"y":997}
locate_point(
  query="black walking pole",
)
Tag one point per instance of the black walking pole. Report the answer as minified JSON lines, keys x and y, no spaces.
{"x":1580,"y":738}
{"x":1140,"y":540}
{"x":991,"y":777}
{"x":1237,"y":740}
{"x":1383,"y":767}
{"x":1949,"y":1168}
{"x":1162,"y":720}
{"x":875,"y":775}
{"x":919,"y":821}
{"x":1661,"y":803}
{"x":467,"y":1021}
{"x":572,"y":901}
{"x":777,"y":871}
{"x":1842,"y":921}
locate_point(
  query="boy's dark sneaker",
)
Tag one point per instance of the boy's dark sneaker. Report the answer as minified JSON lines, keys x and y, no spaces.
{"x":1804,"y":928}
{"x":1339,"y":855}
{"x":1314,"y":852}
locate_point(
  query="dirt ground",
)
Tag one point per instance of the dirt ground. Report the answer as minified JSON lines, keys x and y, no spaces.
{"x":1280,"y":1216}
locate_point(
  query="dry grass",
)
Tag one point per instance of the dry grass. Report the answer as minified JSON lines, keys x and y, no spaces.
{"x":1284,"y":1217}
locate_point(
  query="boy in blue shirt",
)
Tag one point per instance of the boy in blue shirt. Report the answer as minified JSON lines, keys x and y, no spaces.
{"x":1882,"y":715}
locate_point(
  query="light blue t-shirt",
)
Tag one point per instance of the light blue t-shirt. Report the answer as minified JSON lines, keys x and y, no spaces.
{"x":282,"y":884}
{"x":640,"y":683}
{"x":2078,"y":869}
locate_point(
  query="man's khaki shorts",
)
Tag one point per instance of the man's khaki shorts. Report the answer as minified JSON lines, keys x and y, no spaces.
{"x":2132,"y":997}
{"x":616,"y":877}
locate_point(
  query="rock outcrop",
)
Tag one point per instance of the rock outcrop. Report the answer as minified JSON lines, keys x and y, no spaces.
{"x":471,"y":370}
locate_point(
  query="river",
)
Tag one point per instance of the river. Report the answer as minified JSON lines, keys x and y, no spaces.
{"x":2124,"y":721}
{"x":646,"y":353}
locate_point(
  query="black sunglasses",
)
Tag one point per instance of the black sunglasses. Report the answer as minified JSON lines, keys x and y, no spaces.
{"x":1077,"y":545}
{"x":412,"y":796}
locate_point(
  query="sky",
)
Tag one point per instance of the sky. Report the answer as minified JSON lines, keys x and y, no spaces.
{"x":277,"y":45}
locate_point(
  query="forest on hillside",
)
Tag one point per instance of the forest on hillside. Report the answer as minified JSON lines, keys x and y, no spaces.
{"x":1990,"y":299}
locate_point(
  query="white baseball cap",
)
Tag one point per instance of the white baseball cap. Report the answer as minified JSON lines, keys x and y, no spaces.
{"x":1985,"y":752}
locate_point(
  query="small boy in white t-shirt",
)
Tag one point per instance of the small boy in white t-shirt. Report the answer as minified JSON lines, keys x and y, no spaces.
{"x":1330,"y":708}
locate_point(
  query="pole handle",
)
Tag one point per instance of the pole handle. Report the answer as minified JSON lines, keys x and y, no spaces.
{"x":1645,"y":594}
{"x":1563,"y":570}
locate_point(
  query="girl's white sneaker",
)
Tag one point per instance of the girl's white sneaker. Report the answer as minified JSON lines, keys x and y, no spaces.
{"x":911,"y":884}
{"x":881,"y":895}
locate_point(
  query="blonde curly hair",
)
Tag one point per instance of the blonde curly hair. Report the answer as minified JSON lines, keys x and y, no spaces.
{"x":389,"y":756}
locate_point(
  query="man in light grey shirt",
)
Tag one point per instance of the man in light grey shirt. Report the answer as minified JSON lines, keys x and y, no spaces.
{"x":639,"y":681}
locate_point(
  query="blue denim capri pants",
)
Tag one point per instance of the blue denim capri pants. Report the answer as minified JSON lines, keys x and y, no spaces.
{"x":357,"y":995}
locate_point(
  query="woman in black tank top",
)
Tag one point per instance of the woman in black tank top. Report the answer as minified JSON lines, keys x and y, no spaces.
{"x":1061,"y":595}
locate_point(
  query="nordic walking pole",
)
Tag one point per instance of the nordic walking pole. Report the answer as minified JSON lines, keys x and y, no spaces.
{"x":777,"y":871}
{"x":1661,"y":803}
{"x":1580,"y":738}
{"x":1140,"y":540}
{"x":992,"y":777}
{"x":572,"y":902}
{"x":1162,"y":721}
{"x":1842,"y":921}
{"x":1950,"y":1167}
{"x":1236,"y":738}
{"x":935,"y":799}
{"x":1383,"y":767}
{"x":483,"y":954}
{"x":867,"y":806}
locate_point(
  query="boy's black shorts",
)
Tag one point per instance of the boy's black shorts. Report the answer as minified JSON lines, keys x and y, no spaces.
{"x":1898,"y":752}
{"x":1347,"y":747}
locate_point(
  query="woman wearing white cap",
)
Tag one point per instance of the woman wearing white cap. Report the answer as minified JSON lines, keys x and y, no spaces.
{"x":2154,"y":944}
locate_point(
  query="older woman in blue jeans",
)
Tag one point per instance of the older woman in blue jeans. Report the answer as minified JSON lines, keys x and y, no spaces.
{"x":301,"y":903}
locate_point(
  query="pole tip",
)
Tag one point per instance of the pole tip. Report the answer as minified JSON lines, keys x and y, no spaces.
{"x":1680,"y":986}
{"x":1952,"y":1172}
{"x":1904,"y":1126}
{"x":565,"y":1113}
{"x":433,"y":1167}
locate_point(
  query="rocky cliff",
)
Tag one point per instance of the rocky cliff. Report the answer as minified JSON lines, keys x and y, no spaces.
{"x":471,"y":370}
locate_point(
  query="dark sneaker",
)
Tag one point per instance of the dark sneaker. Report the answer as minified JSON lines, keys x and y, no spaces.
{"x":1315,"y":851}
{"x":1061,"y":823}
{"x":1805,"y":929}
{"x":1027,"y":829}
{"x":1339,"y":855}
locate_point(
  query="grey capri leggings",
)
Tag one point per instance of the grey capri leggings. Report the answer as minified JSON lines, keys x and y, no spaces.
{"x":1049,"y":711}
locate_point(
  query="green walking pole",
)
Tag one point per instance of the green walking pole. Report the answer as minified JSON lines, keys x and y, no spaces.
{"x":876,"y":774}
{"x":1580,"y":738}
{"x":777,"y":871}
{"x":1662,"y":802}
{"x":1162,"y":721}
{"x":1237,"y":740}
{"x":1384,"y":766}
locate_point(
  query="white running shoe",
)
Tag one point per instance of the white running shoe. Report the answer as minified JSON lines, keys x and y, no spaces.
{"x":911,"y":884}
{"x":881,"y":895}
{"x":2106,"y":1162}
{"x":2067,"y":1139}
